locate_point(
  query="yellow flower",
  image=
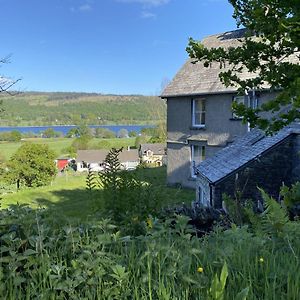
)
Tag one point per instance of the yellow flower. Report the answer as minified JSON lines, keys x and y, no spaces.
{"x":200,"y":270}
{"x":261,"y":259}
{"x":149,"y":223}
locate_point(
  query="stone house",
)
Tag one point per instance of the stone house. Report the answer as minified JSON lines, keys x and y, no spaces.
{"x":153,"y":154}
{"x":94,"y":159}
{"x":255,"y":160}
{"x":200,"y":121}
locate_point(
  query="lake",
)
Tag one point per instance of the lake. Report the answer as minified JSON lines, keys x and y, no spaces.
{"x":66,"y":128}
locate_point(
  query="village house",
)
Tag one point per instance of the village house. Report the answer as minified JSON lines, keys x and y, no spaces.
{"x":200,"y":120}
{"x":153,"y":154}
{"x":94,"y":159}
{"x":62,"y":163}
{"x":254,"y":160}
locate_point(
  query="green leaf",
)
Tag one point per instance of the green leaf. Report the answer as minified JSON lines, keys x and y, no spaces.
{"x":29,"y":252}
{"x":242,"y":295}
{"x":224,"y":275}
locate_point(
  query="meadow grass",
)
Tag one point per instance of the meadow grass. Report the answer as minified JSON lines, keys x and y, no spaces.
{"x":70,"y":251}
{"x":59,"y":145}
{"x":47,"y":260}
{"x":68,"y":194}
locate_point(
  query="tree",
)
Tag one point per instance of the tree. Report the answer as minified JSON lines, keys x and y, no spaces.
{"x":272,"y":39}
{"x":84,"y":131}
{"x":73,"y":132}
{"x":132,"y":133}
{"x":123,"y":133}
{"x":15,"y":136}
{"x":5,"y":82}
{"x":104,"y":133}
{"x":10,"y":136}
{"x":32,"y":165}
{"x":50,"y":133}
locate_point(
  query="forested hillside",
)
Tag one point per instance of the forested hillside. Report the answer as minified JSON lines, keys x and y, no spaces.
{"x":34,"y":109}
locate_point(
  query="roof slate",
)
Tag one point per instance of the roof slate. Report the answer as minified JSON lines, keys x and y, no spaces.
{"x":195,"y":79}
{"x":96,"y":156}
{"x":241,"y":152}
{"x":159,"y":149}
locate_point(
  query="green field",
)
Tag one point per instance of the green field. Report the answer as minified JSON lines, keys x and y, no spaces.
{"x":58,"y":145}
{"x":68,"y":195}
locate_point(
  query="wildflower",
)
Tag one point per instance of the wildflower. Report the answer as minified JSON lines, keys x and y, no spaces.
{"x":261,"y":259}
{"x":149,"y":223}
{"x":200,"y":270}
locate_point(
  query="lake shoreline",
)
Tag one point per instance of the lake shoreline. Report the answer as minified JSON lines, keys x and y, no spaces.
{"x":64,"y":129}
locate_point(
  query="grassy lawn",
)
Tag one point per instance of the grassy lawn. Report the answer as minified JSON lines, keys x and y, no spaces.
{"x":68,"y":195}
{"x":58,"y":145}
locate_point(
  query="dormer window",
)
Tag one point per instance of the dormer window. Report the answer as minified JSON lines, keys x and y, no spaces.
{"x":198,"y":112}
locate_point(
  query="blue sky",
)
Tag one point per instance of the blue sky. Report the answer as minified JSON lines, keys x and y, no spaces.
{"x":103,"y":46}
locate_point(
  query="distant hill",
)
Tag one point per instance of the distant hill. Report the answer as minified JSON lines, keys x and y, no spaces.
{"x":41,"y":108}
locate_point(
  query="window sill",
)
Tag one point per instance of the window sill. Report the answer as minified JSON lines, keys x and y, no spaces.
{"x":197,"y":127}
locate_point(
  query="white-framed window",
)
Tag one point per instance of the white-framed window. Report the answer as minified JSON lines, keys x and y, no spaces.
{"x":249,"y":101}
{"x":198,"y":112}
{"x":253,"y":102}
{"x":197,"y":156}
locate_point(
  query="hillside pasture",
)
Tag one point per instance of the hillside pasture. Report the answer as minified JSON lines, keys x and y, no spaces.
{"x":60,"y":145}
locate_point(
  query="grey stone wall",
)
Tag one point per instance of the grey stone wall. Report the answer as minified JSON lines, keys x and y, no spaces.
{"x":268,"y":172}
{"x":179,"y":162}
{"x":204,"y":185}
{"x":220,"y":129}
{"x":296,"y":159}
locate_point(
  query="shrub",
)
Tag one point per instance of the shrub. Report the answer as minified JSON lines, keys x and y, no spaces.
{"x":32,"y":165}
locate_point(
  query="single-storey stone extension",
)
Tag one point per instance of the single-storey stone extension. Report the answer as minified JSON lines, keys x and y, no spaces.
{"x":252,"y":161}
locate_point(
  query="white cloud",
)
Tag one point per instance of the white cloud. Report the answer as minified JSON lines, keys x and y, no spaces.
{"x":148,"y":15}
{"x":146,"y":2}
{"x":85,"y":7}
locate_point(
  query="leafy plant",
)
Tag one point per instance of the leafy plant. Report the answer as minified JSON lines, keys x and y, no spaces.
{"x":291,"y":199}
{"x":217,"y":288}
{"x":128,"y":200}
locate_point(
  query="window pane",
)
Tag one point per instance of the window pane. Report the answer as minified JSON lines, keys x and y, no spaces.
{"x":199,"y":112}
{"x":199,"y":153}
{"x":199,"y":105}
{"x":202,"y":122}
{"x":198,"y":118}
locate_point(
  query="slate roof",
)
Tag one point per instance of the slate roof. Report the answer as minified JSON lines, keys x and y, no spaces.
{"x":241,"y":152}
{"x":157,"y":149}
{"x":195,"y":79}
{"x":96,"y":156}
{"x":129,"y":155}
{"x":91,"y":156}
